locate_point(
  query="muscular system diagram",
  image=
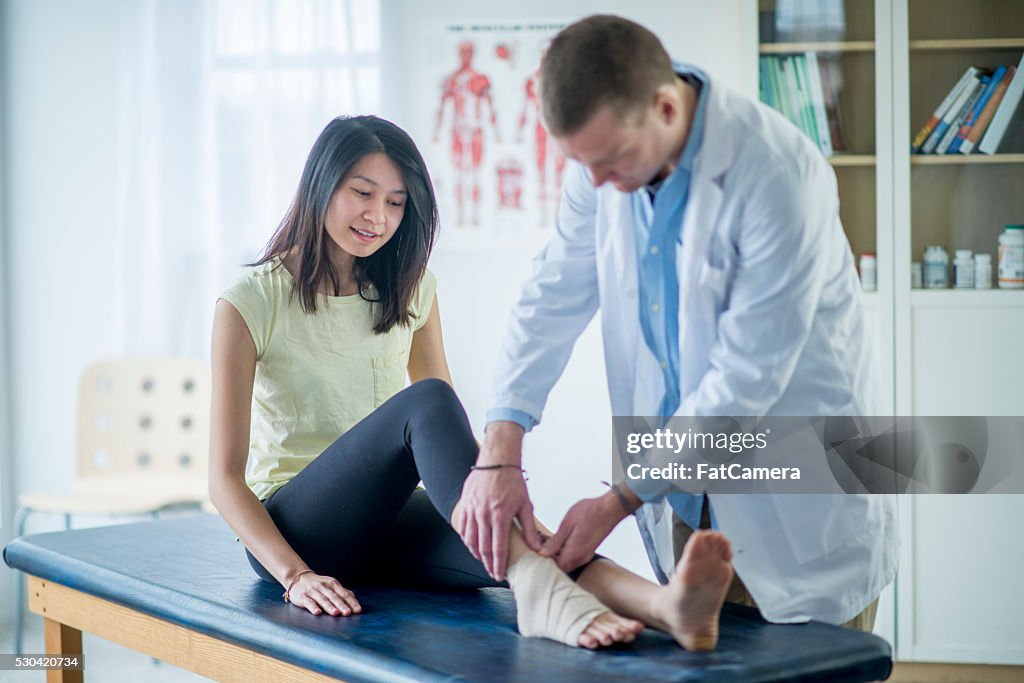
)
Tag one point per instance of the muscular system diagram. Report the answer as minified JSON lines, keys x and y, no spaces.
{"x":468,"y":92}
{"x":546,"y":155}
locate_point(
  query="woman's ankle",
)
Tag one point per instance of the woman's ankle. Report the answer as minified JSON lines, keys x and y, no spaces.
{"x":453,"y":519}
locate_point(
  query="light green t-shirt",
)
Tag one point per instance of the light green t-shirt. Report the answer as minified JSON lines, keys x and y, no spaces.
{"x":316,"y":375}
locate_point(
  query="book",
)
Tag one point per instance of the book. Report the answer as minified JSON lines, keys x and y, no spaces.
{"x":791,"y":94}
{"x":954,"y":110}
{"x":776,"y":85}
{"x":778,"y":77}
{"x":979,"y":106}
{"x":800,"y":87}
{"x":771,"y":96}
{"x":818,"y":100}
{"x":978,"y":129}
{"x":764,"y":88}
{"x":830,"y":80}
{"x":804,"y":98}
{"x":940,"y":111}
{"x":1001,"y":120}
{"x":965,"y":110}
{"x":1013,"y":139}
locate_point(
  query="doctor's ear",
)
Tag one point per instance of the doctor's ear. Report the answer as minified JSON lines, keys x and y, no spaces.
{"x":667,"y":104}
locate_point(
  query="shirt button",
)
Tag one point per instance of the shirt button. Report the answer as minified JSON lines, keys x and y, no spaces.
{"x":664,"y":364}
{"x":655,"y":307}
{"x":654,"y":249}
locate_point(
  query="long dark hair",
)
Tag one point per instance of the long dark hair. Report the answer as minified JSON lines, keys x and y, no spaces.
{"x":396,"y":268}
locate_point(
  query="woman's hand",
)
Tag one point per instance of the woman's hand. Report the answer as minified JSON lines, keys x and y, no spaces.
{"x":323,"y":594}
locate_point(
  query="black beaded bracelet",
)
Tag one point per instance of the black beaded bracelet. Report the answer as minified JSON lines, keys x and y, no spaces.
{"x":622,"y":498}
{"x":497,"y":467}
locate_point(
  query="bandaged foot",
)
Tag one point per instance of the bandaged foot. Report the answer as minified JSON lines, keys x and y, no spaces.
{"x":550,"y":605}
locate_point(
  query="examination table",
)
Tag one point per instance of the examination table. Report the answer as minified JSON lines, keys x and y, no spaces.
{"x":182,"y":591}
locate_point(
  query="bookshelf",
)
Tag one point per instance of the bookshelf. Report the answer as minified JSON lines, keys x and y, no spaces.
{"x":953,"y":160}
{"x":943,"y":352}
{"x":821,"y":46}
{"x":969,"y":44}
{"x":848,"y":38}
{"x":957,"y":201}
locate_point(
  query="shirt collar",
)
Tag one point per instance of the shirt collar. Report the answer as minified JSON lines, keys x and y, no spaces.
{"x":698,"y":79}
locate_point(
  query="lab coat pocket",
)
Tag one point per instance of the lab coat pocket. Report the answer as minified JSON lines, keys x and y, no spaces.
{"x":713,"y":284}
{"x":816,"y":524}
{"x":389,"y":376}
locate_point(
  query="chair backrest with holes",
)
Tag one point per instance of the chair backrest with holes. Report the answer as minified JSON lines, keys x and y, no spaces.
{"x":145,"y":416}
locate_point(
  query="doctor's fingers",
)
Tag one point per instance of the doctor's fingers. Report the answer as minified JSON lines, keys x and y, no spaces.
{"x":572,"y":553}
{"x":569,"y":559}
{"x":554,"y":544}
{"x":468,"y":534}
{"x":499,"y":543}
{"x":528,"y":524}
{"x":483,"y":541}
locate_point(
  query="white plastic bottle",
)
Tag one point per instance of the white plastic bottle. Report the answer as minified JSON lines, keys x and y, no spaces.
{"x":1011,"y":257}
{"x":936,"y":267}
{"x":983,"y":271}
{"x":868,"y":272}
{"x":963,"y":269}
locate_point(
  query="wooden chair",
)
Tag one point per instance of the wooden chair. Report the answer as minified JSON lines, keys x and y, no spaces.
{"x":143,"y":435}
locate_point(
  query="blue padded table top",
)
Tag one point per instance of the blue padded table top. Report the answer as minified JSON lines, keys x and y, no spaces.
{"x":191,"y":572}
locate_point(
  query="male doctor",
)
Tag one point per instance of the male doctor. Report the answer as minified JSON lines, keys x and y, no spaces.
{"x":705,"y":227}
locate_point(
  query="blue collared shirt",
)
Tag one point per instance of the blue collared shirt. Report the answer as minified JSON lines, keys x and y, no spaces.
{"x":658,"y":221}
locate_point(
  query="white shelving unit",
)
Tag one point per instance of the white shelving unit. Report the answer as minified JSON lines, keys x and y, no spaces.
{"x":957,"y":597}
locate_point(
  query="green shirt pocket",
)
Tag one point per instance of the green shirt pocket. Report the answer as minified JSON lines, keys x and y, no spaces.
{"x":389,"y":375}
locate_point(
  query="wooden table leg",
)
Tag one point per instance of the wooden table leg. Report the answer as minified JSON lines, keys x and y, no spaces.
{"x":62,"y":640}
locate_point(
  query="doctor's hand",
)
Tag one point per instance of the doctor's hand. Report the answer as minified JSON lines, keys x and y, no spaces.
{"x":584,"y":527}
{"x":493,"y":498}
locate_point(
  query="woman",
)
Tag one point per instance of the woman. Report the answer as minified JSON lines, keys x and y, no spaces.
{"x":311,"y":348}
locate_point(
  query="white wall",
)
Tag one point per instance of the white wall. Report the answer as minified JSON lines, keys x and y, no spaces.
{"x":61,"y":155}
{"x":6,"y":459}
{"x":570,"y":452}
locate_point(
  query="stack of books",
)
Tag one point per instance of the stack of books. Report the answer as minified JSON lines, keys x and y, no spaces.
{"x":805,"y":89}
{"x":982,"y":113}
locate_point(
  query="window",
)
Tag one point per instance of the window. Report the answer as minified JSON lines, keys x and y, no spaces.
{"x":281,"y":69}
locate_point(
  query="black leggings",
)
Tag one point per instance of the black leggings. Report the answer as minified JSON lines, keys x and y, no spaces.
{"x":355,"y":513}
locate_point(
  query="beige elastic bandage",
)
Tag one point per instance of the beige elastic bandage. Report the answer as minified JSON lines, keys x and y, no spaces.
{"x":548,"y":603}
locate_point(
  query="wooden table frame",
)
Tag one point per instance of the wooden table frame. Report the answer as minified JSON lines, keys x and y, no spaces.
{"x":67,"y":613}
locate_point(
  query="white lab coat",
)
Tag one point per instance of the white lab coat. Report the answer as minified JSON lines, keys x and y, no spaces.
{"x":770,"y":323}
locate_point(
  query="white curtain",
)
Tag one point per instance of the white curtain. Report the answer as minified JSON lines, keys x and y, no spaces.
{"x":220,"y":101}
{"x":6,"y":436}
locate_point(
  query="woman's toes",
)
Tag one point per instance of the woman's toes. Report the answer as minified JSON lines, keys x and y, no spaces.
{"x":601,"y":630}
{"x":587,"y":641}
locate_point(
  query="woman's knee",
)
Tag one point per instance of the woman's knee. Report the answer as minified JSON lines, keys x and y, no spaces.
{"x":433,"y":396}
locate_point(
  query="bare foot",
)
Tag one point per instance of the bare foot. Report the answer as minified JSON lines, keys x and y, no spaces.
{"x":692,"y":600}
{"x":609,"y":628}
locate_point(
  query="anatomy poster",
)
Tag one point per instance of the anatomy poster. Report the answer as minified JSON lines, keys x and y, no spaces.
{"x":496,"y":171}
